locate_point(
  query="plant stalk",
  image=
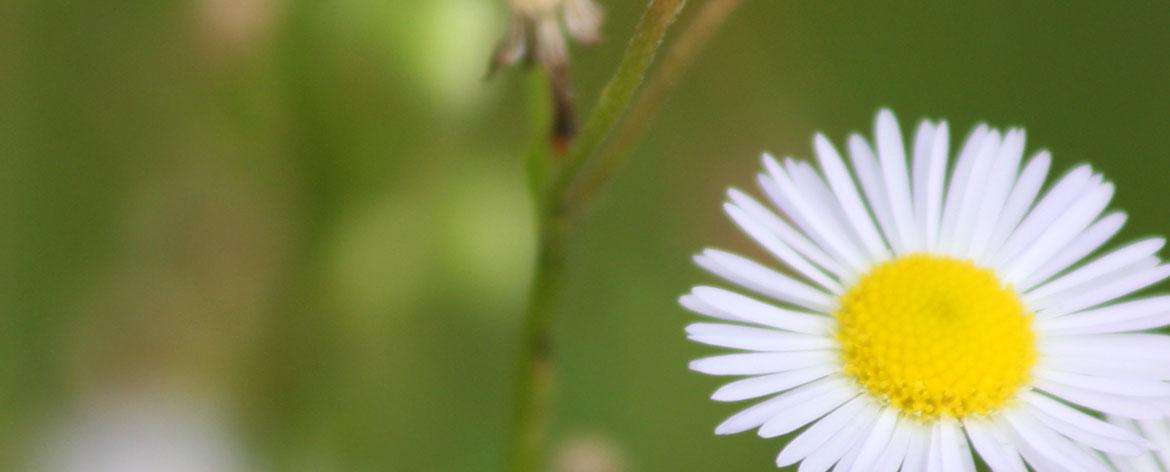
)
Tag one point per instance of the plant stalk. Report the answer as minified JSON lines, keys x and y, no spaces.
{"x":534,"y":391}
{"x":551,"y":183}
{"x":677,"y":60}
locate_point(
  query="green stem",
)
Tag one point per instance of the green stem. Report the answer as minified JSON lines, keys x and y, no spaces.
{"x":534,"y":388}
{"x":615,"y":97}
{"x":535,"y":382}
{"x":677,"y":60}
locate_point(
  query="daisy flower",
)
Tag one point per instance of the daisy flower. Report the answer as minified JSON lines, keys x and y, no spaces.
{"x":930,"y":313}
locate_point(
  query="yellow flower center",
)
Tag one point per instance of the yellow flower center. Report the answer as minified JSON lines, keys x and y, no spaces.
{"x":935,"y":335}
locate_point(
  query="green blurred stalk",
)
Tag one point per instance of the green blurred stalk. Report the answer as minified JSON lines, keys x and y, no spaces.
{"x":675,"y":62}
{"x":615,"y":97}
{"x":534,"y":390}
{"x":535,"y":377}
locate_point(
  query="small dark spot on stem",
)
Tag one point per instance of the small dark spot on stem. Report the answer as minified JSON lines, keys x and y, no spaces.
{"x":564,"y":125}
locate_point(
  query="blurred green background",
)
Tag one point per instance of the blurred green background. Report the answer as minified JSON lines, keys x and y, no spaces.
{"x":295,"y":233}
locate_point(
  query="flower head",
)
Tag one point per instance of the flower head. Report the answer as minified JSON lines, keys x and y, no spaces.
{"x":535,"y":36}
{"x":535,"y":31}
{"x":931,"y":315}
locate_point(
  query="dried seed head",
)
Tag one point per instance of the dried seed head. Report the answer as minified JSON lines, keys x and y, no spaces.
{"x":535,"y":32}
{"x":583,"y":19}
{"x":535,"y":35}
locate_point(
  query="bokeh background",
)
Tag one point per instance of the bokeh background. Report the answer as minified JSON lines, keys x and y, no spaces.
{"x":294,"y":235}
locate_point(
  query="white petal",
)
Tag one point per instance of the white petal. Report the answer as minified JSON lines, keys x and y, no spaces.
{"x":1048,"y":209}
{"x":817,"y":193}
{"x":774,"y":245}
{"x":1087,"y":437}
{"x":1114,"y":367}
{"x":870,"y":175}
{"x":894,"y":453}
{"x":1142,"y":463}
{"x":877,"y":441}
{"x":1120,"y":326}
{"x":1052,"y":446}
{"x":1023,"y":194}
{"x":839,"y":444}
{"x":1087,"y":242}
{"x":934,"y":459}
{"x":892,"y":156}
{"x":752,"y":275}
{"x":772,"y":189}
{"x":821,"y":224}
{"x":1134,"y":348}
{"x":1108,"y":291}
{"x":1035,"y":460}
{"x":695,"y":305}
{"x":935,"y":183}
{"x":1144,"y":313}
{"x":973,"y":192}
{"x":754,"y":311}
{"x":1053,"y":305}
{"x":757,"y":414}
{"x":1160,"y":404}
{"x":846,"y":192}
{"x":754,"y":387}
{"x":797,"y":415}
{"x":756,"y":339}
{"x":817,"y":434}
{"x":957,"y":189}
{"x":999,"y":185}
{"x":1127,"y":310}
{"x":1060,"y":233}
{"x":997,"y":453}
{"x":1115,"y":386}
{"x":920,"y":176}
{"x":1106,"y":264}
{"x":1157,"y":321}
{"x":793,"y":238}
{"x":1111,"y":404}
{"x":918,"y":449}
{"x":952,"y":447}
{"x":966,"y":454}
{"x":1079,"y":419}
{"x":756,"y":363}
{"x":1159,"y":433}
{"x":850,"y":456}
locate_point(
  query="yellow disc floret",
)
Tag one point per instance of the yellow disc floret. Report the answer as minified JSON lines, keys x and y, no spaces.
{"x":935,"y":335}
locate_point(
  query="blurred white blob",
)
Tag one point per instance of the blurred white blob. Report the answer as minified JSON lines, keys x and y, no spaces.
{"x":233,"y":28}
{"x":535,"y":24}
{"x":589,"y":453}
{"x":143,"y":432}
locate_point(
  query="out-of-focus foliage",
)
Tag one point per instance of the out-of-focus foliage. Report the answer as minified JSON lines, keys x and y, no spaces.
{"x":309,"y":219}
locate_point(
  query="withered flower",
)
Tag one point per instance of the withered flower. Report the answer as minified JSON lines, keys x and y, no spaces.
{"x":536,"y":36}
